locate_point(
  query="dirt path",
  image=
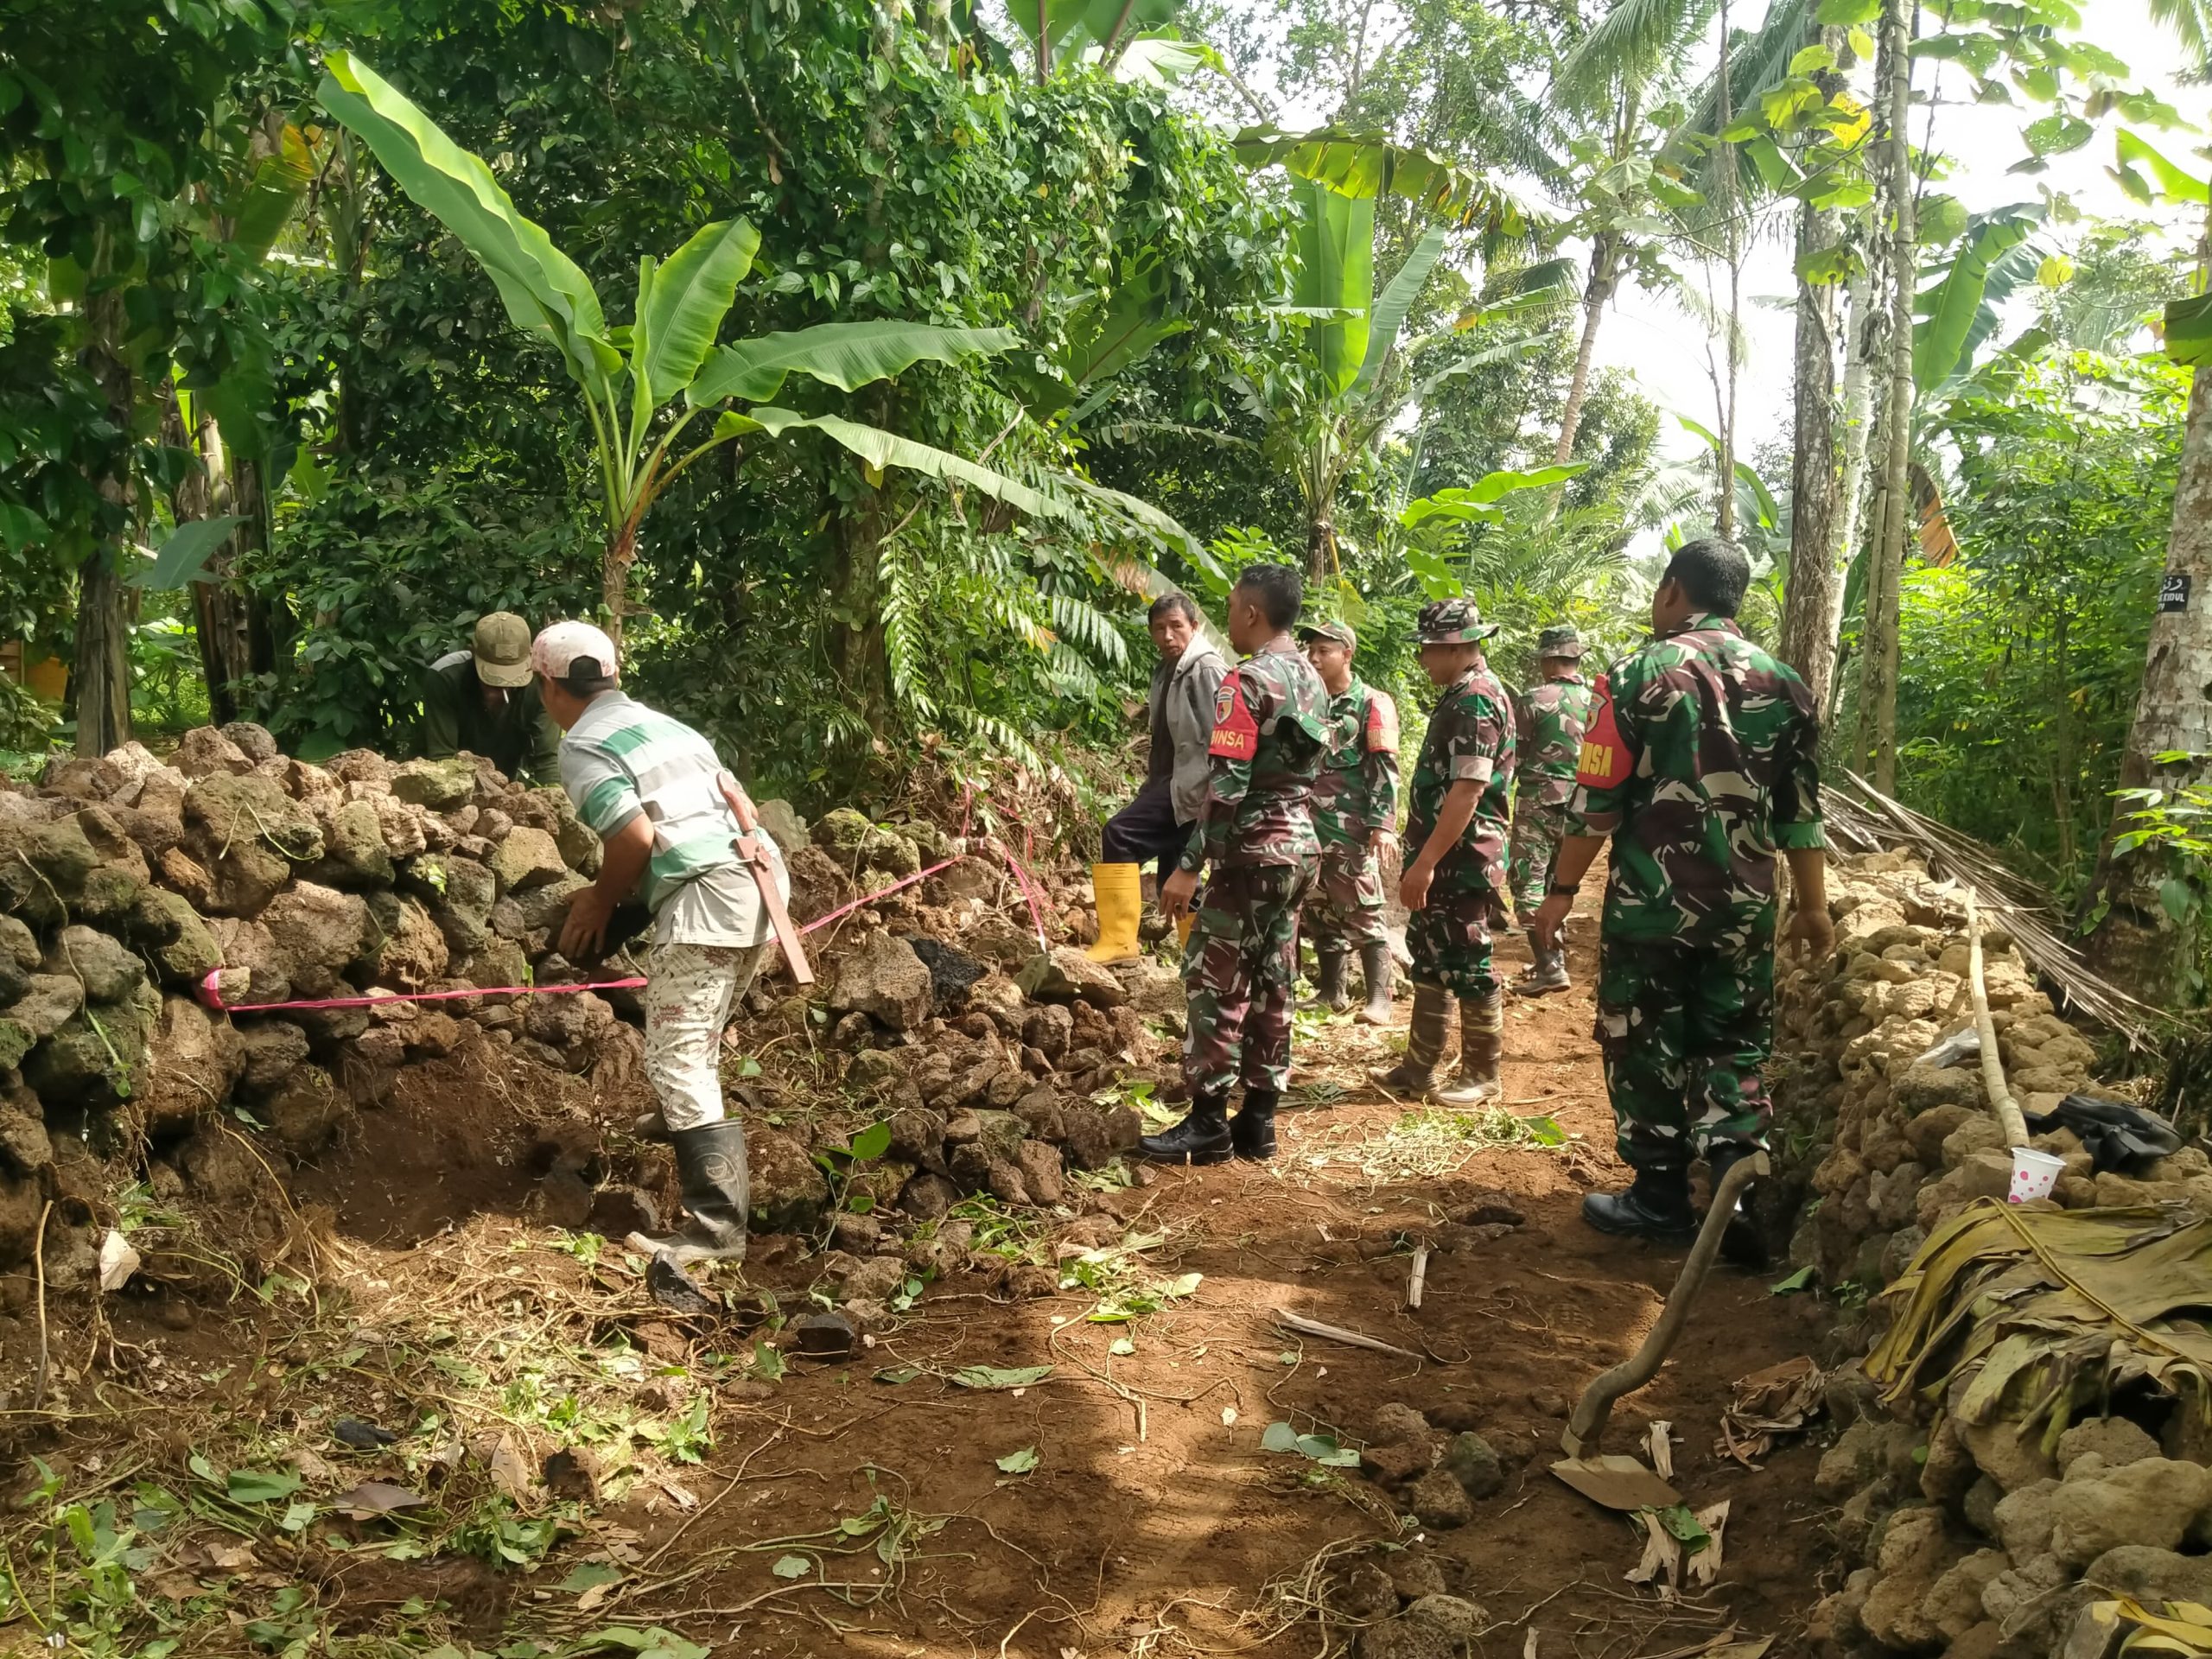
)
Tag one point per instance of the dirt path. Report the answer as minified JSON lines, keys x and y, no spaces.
{"x":1154,"y":1522}
{"x":1121,"y":1503}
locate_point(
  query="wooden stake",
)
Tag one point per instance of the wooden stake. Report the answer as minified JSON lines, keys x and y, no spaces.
{"x":1419,"y":1279}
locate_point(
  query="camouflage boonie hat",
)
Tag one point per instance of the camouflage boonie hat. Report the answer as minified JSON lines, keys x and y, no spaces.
{"x":1337,"y":633}
{"x":1451,"y":622}
{"x":1561,"y":641}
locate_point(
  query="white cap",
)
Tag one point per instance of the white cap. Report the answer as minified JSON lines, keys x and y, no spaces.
{"x":556,"y":653}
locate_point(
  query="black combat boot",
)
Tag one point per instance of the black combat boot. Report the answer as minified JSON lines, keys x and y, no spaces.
{"x":1744,"y":1243}
{"x":1656,"y":1206}
{"x":1425,"y":1037}
{"x":1329,"y":983}
{"x":1252,"y":1131}
{"x":710,"y":1164}
{"x":1200,"y":1138}
{"x":1374,"y":962}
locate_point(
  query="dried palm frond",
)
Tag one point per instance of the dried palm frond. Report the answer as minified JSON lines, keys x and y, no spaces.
{"x":1861,"y":818}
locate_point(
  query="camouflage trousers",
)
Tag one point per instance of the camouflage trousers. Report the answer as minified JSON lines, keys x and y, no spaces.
{"x":1537,"y":832}
{"x":1684,"y":1029}
{"x":688,"y":991}
{"x":1448,"y":938}
{"x":1239,"y":970}
{"x":1344,"y":907}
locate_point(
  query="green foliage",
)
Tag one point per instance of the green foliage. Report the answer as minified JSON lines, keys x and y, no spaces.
{"x":2026,"y":654}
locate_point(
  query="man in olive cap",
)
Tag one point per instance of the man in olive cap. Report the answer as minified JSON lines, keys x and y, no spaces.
{"x":1356,"y":821}
{"x":1549,"y":722}
{"x":1454,"y":889}
{"x":477,"y":700}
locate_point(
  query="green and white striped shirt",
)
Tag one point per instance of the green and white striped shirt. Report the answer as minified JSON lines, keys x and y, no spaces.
{"x":622,"y":759}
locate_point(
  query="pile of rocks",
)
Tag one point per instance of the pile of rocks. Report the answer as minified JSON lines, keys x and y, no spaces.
{"x":127,"y":880}
{"x":1906,"y":1145}
{"x":1971,"y":1538}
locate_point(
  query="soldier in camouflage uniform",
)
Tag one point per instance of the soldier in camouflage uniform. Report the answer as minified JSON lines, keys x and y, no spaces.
{"x":1548,"y":724}
{"x":1255,"y":839}
{"x":1356,"y":820}
{"x":1701,"y":761}
{"x":1454,"y":890}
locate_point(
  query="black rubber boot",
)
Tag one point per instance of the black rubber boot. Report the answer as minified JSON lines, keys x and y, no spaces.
{"x":1252,"y":1131}
{"x":1375,"y":963}
{"x":1657,"y":1206}
{"x":1425,"y":1038}
{"x":1201,"y":1138}
{"x":1744,"y":1243}
{"x":710,"y":1164}
{"x":1329,"y":983}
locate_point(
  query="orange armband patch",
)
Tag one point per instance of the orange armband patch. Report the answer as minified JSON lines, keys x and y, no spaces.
{"x":1607,"y":758}
{"x":1382,"y":725}
{"x":1235,"y":734}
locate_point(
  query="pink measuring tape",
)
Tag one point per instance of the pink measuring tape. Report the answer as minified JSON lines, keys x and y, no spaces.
{"x":211,"y":989}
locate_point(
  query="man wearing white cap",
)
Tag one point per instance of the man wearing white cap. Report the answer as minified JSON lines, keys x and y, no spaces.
{"x":477,"y":700}
{"x":668,"y":813}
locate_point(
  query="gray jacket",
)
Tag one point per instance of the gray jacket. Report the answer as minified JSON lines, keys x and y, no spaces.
{"x":1188,"y":689}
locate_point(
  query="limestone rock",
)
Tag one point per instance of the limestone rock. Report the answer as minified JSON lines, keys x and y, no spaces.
{"x":885,"y":980}
{"x":1953,"y":1606}
{"x":2151,"y":1576}
{"x":1916,"y":1552}
{"x":2153,"y":1501}
{"x":1470,"y":1461}
{"x":1065,"y":974}
{"x":527,"y":858}
{"x":1041,"y":1168}
{"x":203,"y":752}
{"x":412,"y":954}
{"x":1458,"y":1620}
{"x":165,"y":926}
{"x":102,"y":965}
{"x":306,"y":1111}
{"x":2115,"y":1440}
{"x":196,"y":1060}
{"x":441,"y":785}
{"x":790,"y":1194}
{"x":1438,"y":1500}
{"x":317,"y":933}
{"x":354,"y":855}
{"x":270,"y":1051}
{"x":2010,"y":1456}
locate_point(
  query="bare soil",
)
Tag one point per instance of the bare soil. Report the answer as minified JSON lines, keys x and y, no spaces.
{"x":1153,"y":1521}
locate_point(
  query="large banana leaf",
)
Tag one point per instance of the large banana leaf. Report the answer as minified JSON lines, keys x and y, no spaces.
{"x":881,"y":449}
{"x":1477,"y":504}
{"x":1960,"y":311}
{"x":1061,"y":24}
{"x":1390,"y":313}
{"x":681,"y":305}
{"x":1365,"y":165}
{"x":847,"y":355}
{"x":1107,"y":336}
{"x":1335,"y":242}
{"x":270,"y":192}
{"x":545,"y":291}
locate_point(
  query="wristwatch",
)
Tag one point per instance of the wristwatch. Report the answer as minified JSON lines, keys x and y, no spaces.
{"x":1559,"y":891}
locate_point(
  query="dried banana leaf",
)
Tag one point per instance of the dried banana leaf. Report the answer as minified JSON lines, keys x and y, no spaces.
{"x":2042,"y":1311}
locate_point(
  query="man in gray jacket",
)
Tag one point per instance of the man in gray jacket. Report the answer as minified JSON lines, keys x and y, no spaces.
{"x":1153,"y":827}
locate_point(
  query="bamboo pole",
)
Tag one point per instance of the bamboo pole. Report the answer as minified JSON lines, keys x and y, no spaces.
{"x":1992,"y":1068}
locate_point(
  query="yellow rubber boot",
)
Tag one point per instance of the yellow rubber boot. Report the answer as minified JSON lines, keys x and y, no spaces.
{"x":1120,"y":899}
{"x":1184,"y":923}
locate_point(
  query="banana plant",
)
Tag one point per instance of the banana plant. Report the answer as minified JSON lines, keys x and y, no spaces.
{"x":666,"y":356}
{"x":1061,"y":32}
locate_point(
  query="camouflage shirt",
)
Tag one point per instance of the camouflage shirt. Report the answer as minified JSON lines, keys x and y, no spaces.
{"x":1701,"y":760}
{"x":1470,"y":736}
{"x":1358,"y":790}
{"x":1548,"y":724}
{"x":1270,"y":729}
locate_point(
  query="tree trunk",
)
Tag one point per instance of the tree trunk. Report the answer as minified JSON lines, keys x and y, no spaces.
{"x":1734,"y":239}
{"x":1597,"y":294}
{"x":1896,"y":495}
{"x":1868,"y":326}
{"x":1815,"y":590}
{"x":99,"y":681}
{"x":2136,"y":943}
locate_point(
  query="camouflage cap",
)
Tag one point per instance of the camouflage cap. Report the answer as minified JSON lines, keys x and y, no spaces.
{"x":1560,"y":641}
{"x":1337,"y":633}
{"x":1451,"y":622}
